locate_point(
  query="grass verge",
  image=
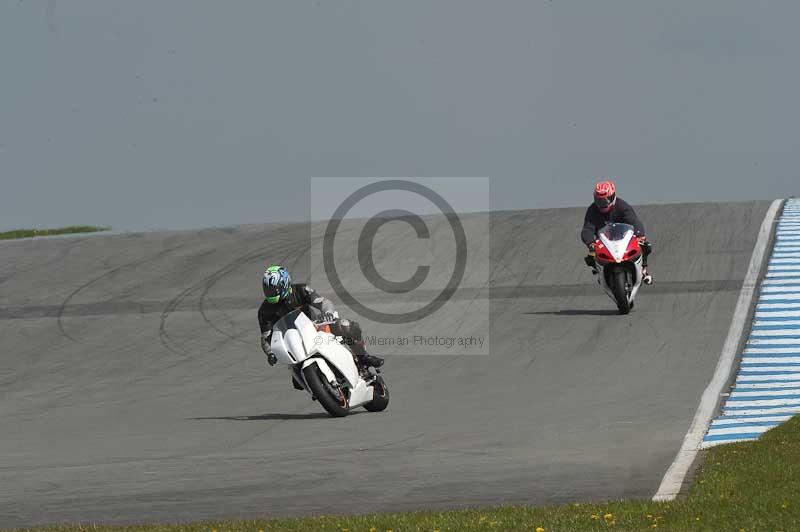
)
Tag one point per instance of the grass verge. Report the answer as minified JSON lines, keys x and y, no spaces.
{"x":752,"y":486}
{"x":28,"y":233}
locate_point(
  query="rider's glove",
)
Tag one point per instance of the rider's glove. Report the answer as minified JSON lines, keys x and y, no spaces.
{"x":265,"y":343}
{"x":265,"y":338}
{"x":642,"y":239}
{"x":647,"y":248}
{"x":591,"y":248}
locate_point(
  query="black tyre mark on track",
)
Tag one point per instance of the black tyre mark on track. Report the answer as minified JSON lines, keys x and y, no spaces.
{"x":166,"y":339}
{"x":298,"y":252}
{"x":212,"y":280}
{"x":113,"y":271}
{"x":62,"y":255}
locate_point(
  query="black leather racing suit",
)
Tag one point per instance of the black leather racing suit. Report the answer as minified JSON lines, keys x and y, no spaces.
{"x":314,"y":305}
{"x":622,"y":212}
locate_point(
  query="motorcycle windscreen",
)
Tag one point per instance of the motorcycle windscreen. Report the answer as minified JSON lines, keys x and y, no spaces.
{"x":287,"y":337}
{"x":614,"y":232}
{"x":615,"y":237}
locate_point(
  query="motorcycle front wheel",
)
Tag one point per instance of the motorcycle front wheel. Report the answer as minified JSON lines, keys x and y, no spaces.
{"x":332,"y":399}
{"x":618,"y":281}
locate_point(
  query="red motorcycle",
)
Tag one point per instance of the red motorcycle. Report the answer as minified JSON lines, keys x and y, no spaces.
{"x":618,"y":258}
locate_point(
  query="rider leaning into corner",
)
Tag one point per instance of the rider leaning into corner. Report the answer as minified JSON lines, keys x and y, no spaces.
{"x":282,"y":297}
{"x":608,"y":208}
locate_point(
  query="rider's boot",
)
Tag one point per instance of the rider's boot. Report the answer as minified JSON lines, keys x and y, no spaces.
{"x":591,"y":263}
{"x":364,"y":358}
{"x":370,"y":360}
{"x":646,"y":277}
{"x":647,"y":248}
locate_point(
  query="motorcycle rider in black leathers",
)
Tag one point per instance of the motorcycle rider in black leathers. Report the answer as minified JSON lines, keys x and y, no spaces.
{"x":282,"y":297}
{"x":608,"y":208}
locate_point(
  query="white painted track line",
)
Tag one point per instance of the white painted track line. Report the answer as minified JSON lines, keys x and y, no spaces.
{"x":737,"y":430}
{"x":769,"y":376}
{"x":748,"y":411}
{"x":747,"y":386}
{"x":734,"y":420}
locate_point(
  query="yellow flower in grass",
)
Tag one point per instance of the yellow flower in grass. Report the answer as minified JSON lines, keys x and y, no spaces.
{"x":595,"y":517}
{"x":608,"y":516}
{"x":539,"y":529}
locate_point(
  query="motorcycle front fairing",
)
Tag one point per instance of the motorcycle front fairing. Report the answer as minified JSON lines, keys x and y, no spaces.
{"x":335,"y":353}
{"x":290,"y":338}
{"x":338,"y":356}
{"x":334,"y":360}
{"x":296,"y":341}
{"x":619,"y":243}
{"x":618,"y":248}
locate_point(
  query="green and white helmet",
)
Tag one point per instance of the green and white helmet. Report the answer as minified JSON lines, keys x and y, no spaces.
{"x":277,"y":284}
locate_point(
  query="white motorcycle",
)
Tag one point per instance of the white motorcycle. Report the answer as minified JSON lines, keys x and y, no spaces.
{"x":325,"y":368}
{"x":618,"y":258}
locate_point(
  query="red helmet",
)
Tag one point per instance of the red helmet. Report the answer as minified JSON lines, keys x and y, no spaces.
{"x":605,"y":195}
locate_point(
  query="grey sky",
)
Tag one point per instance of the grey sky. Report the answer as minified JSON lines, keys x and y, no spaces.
{"x":194,"y":113}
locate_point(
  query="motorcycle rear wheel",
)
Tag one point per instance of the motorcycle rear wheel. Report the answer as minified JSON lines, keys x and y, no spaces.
{"x":380,"y":396}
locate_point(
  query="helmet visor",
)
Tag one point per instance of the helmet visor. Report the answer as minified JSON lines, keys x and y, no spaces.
{"x":272,"y":293}
{"x":605,"y":202}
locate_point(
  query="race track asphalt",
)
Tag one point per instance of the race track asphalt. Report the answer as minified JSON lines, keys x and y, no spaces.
{"x":132,"y":386}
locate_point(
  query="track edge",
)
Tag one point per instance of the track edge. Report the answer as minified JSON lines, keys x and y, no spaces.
{"x":675,"y":477}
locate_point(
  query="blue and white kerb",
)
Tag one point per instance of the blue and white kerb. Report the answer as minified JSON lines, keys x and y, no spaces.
{"x":767,"y":388}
